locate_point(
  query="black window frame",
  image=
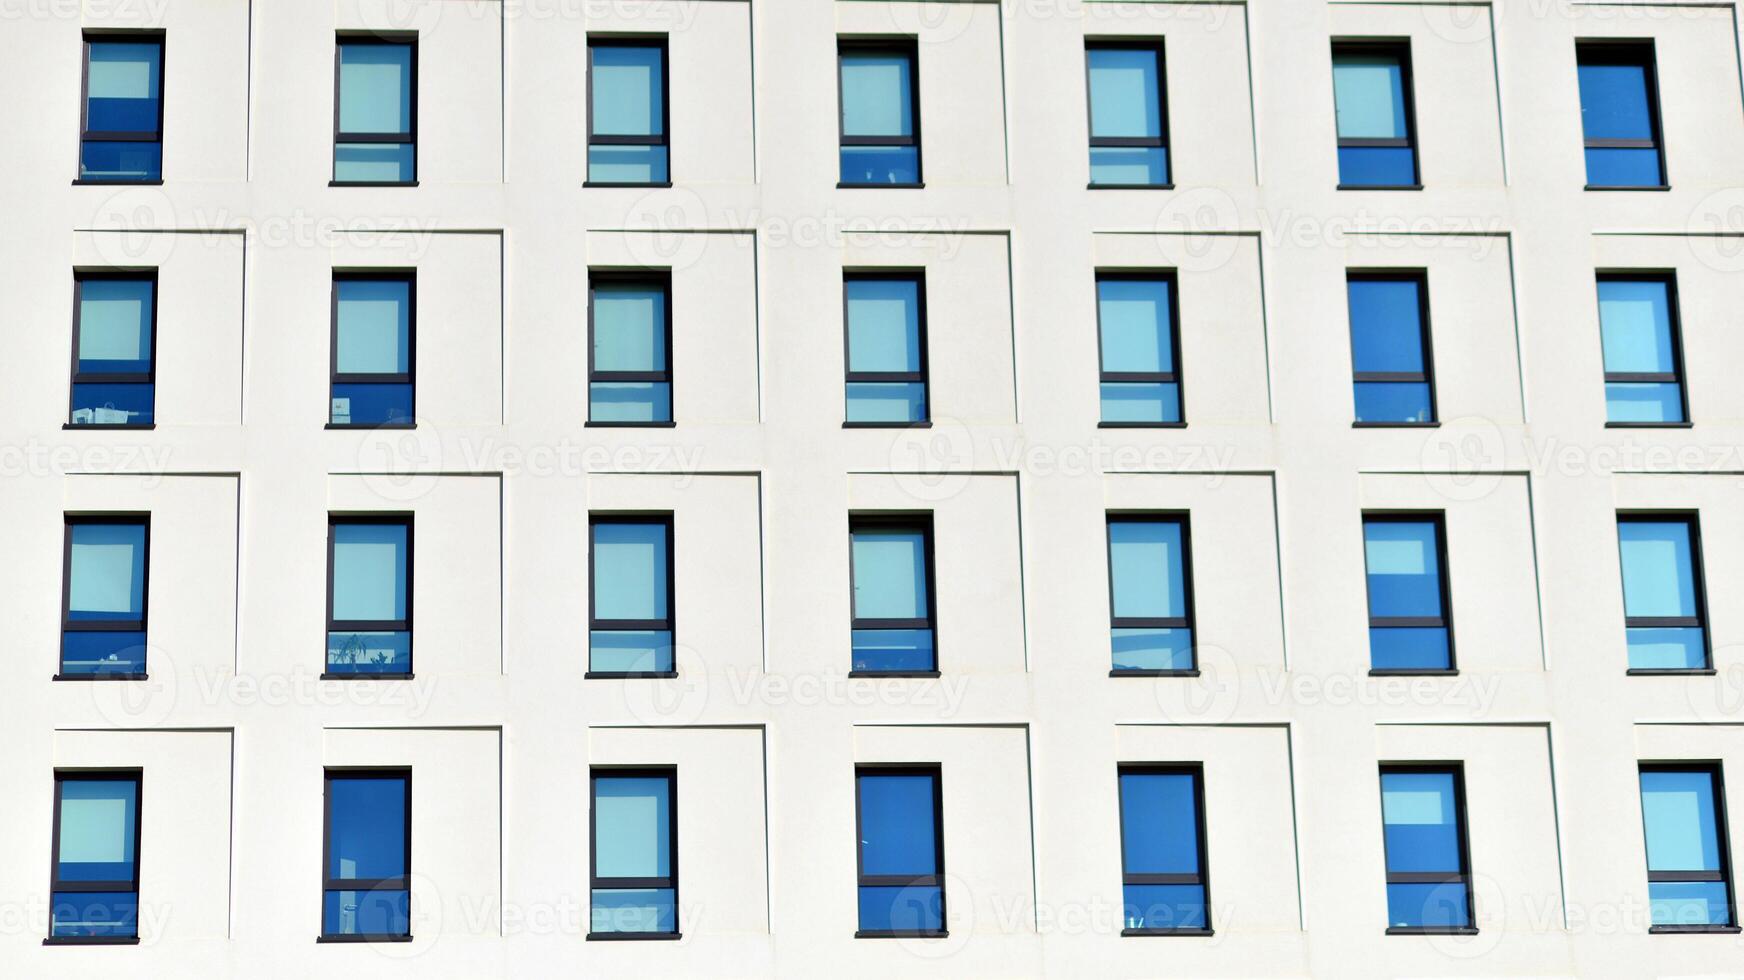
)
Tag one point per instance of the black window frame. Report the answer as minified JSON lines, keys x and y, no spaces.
{"x":1463,"y":825}
{"x":661,"y":41}
{"x":1187,"y":622}
{"x":935,"y":880}
{"x":1104,"y":376}
{"x":409,"y":377}
{"x":404,"y":519}
{"x":68,"y":624}
{"x":122,"y":36}
{"x":1426,"y":340}
{"x":1161,"y":141}
{"x":658,"y":278}
{"x":328,"y":883}
{"x":850,"y":376}
{"x":80,"y":277}
{"x":55,"y":884}
{"x":1698,"y":582}
{"x":1635,"y":51}
{"x":905,"y":46}
{"x":1674,"y":319}
{"x":410,"y":136}
{"x":921,"y":521}
{"x":1392,"y":47}
{"x":594,"y":881}
{"x":1203,"y":878}
{"x":1444,"y":622}
{"x":667,"y":520}
{"x":1714,"y":770}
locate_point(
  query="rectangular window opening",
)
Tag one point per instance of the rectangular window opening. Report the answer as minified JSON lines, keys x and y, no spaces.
{"x":1619,"y":94}
{"x":1129,"y":114}
{"x":1689,"y":880}
{"x":885,"y":323}
{"x":107,"y":561}
{"x":891,"y":567}
{"x":1428,"y":863}
{"x":374,"y":349}
{"x":880,"y":112}
{"x":633,"y":875}
{"x":631,"y":617}
{"x":900,"y":854}
{"x":1151,"y":594}
{"x":1392,"y":370}
{"x":1377,"y":143}
{"x":1665,"y":611}
{"x":375,"y":109}
{"x":114,"y":348}
{"x":1410,"y":616}
{"x":367,"y":863}
{"x":1140,"y":348}
{"x":1643,"y":349}
{"x":369,"y":595}
{"x":627,"y":113}
{"x":1164,"y":885}
{"x":629,"y":365}
{"x":95,"y":885}
{"x":121,"y":120}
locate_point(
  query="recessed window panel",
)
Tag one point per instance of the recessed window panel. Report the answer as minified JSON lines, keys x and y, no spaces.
{"x":375,"y":130}
{"x":367,"y":867}
{"x":1408,"y":618}
{"x":1390,"y":349}
{"x":103,"y":625}
{"x":369,"y":620}
{"x":892,"y":597}
{"x":373,"y":362}
{"x":1162,"y":850}
{"x":1135,"y":317}
{"x":632,"y":616}
{"x":1662,"y":593}
{"x":1620,"y":115}
{"x":1128,"y":131}
{"x":880,"y":106}
{"x":1643,"y":373}
{"x":627,"y":117}
{"x":122,"y":137}
{"x":1428,"y":880}
{"x":901,"y":851}
{"x":1372,"y":93}
{"x":634,"y":848}
{"x":886,"y":377}
{"x":1152,"y":623}
{"x":630,"y":375}
{"x":95,"y":887}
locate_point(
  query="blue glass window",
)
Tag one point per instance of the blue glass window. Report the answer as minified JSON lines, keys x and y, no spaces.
{"x":1389,"y":346}
{"x":629,"y":366}
{"x":1371,"y":89}
{"x":95,"y":891}
{"x":632,"y":618}
{"x":114,"y":339}
{"x":1409,"y":625}
{"x":366,"y":872}
{"x":1663,"y":605}
{"x":121,"y":139}
{"x":634,"y":878}
{"x":1135,"y":325}
{"x":374,"y":332}
{"x":1150,"y":594}
{"x":901,"y":851}
{"x":891,"y":567}
{"x":1162,"y":850}
{"x":1428,"y":878}
{"x":626,"y":139}
{"x":369,"y":595}
{"x":1620,"y":115}
{"x":1643,"y":383}
{"x":103,"y":622}
{"x":1688,"y":884}
{"x":880,"y":114}
{"x":887,"y":372}
{"x":1128,"y":115}
{"x":375,"y":137}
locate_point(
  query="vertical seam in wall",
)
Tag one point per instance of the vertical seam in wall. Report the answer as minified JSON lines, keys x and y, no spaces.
{"x":502,"y":826}
{"x":230,"y":910}
{"x":1035,"y":885}
{"x":502,"y":93}
{"x":1556,"y":825}
{"x":768,"y":851}
{"x":1022,"y":578}
{"x":1265,"y":325}
{"x":1004,"y":90}
{"x":236,"y":621}
{"x":757,"y":316}
{"x":503,"y":325}
{"x":762,"y":573}
{"x":1253,"y":112}
{"x":1537,"y":573}
{"x":1278,"y":553}
{"x":1295,"y":826}
{"x":1496,"y":68}
{"x":1011,"y":327}
{"x":242,"y":342}
{"x":756,"y":158}
{"x":503,"y":574}
{"x":1514,"y":312}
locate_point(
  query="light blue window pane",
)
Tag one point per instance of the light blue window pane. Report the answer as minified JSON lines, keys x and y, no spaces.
{"x":1163,"y":906}
{"x":1658,"y":568}
{"x":1145,"y":166}
{"x":1135,"y":325}
{"x":626,"y":164}
{"x":628,"y":96}
{"x":1622,"y":166}
{"x":1409,"y":648}
{"x":1667,"y":648}
{"x":388,"y":163}
{"x":376,"y":912}
{"x":1441,"y":905}
{"x":1386,"y":328}
{"x":123,"y":87}
{"x":1422,"y":833}
{"x":1146,"y":562}
{"x":901,"y":908}
{"x":1159,"y":823}
{"x":629,"y":571}
{"x":897,"y":834}
{"x":893,"y":650}
{"x":1135,"y":401}
{"x":1614,"y":102}
{"x":115,"y":325}
{"x":871,"y":165}
{"x":369,"y":651}
{"x":886,"y":401}
{"x":1377,"y":166}
{"x":877,"y":94}
{"x":375,"y":88}
{"x":107,"y":578}
{"x":90,"y":914}
{"x":1393,"y":401}
{"x":1689,"y":903}
{"x":369,"y":571}
{"x":883,"y":324}
{"x":99,"y":829}
{"x":629,"y":327}
{"x":1153,"y":649}
{"x":634,"y":910}
{"x":1404,"y":569}
{"x":1678,"y":809}
{"x":1125,"y":94}
{"x":890,"y":575}
{"x":630,"y":651}
{"x":632,"y":819}
{"x":1635,"y":321}
{"x":375,"y":326}
{"x":629,"y":401}
{"x":1369,"y":92}
{"x":1643,"y":401}
{"x":366,"y":831}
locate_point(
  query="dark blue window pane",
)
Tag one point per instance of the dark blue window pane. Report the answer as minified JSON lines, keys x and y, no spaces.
{"x":1386,"y":327}
{"x":372,"y":404}
{"x":1377,"y":166}
{"x":1689,"y":903}
{"x":1164,"y":906}
{"x":893,"y":650}
{"x":1404,"y":568}
{"x":901,"y":908}
{"x":1409,"y":648}
{"x":94,"y":914}
{"x":629,"y":401}
{"x":114,"y":160}
{"x":113,"y":404}
{"x":1153,"y":649}
{"x":1440,"y":905}
{"x":1614,"y":103}
{"x":897,"y":835}
{"x":1159,"y":823}
{"x":375,"y":912}
{"x":1122,"y":166}
{"x":103,"y":652}
{"x":369,"y":651}
{"x":1141,"y":401}
{"x":366,"y":827}
{"x":123,"y":86}
{"x":1609,"y":166}
{"x":1421,"y":825}
{"x":634,"y":910}
{"x":880,"y":165}
{"x":630,"y":651}
{"x":1393,"y":401}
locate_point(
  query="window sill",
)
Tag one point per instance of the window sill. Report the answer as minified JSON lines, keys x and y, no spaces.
{"x":1431,"y":931}
{"x":91,"y":941}
{"x":100,"y":677}
{"x":1691,"y":930}
{"x":330,"y":676}
{"x":622,"y":675}
{"x":1166,"y":932}
{"x":893,"y":673}
{"x":1159,"y":672}
{"x":108,"y":426}
{"x":98,"y":182}
{"x":628,"y":425}
{"x":922,"y":424}
{"x":1626,"y":187}
{"x":1650,"y":425}
{"x":1395,"y":425}
{"x":862,"y":187}
{"x":900,"y":934}
{"x":1130,"y":187}
{"x":1141,"y":425}
{"x":372,"y":183}
{"x":609,"y":183}
{"x":594,"y":937}
{"x":360,"y":938}
{"x":1414,"y":672}
{"x":1670,"y":672}
{"x":371,"y":425}
{"x":1379,"y":187}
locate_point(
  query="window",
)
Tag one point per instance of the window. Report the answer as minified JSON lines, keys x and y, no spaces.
{"x":103,"y":617}
{"x":95,"y":886}
{"x":369,"y":595}
{"x":114,"y":343}
{"x":892,"y":570}
{"x":634,"y":870}
{"x":885,"y":315}
{"x":1128,"y":114}
{"x":626,"y":111}
{"x":375,"y":326}
{"x":1689,"y":884}
{"x":366,"y":891}
{"x":1389,"y":348}
{"x":1643,"y":353}
{"x":1140,"y":349}
{"x":1620,"y":114}
{"x":375,"y":114}
{"x":1663,"y":606}
{"x":629,"y":367}
{"x":121,"y":134}
{"x":1150,"y":594}
{"x":631,"y":617}
{"x":1409,"y":620}
{"x":1428,"y":868}
{"x":1162,"y":850}
{"x":901,"y":853}
{"x":1371,"y":91}
{"x":880,"y":113}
